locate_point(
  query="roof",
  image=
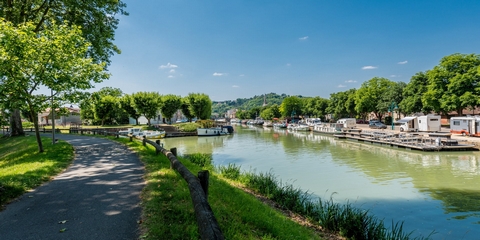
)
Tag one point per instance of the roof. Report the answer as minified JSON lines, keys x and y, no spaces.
{"x":405,"y":119}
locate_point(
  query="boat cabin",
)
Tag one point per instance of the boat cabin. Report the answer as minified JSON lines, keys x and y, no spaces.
{"x":428,"y":123}
{"x":348,"y":122}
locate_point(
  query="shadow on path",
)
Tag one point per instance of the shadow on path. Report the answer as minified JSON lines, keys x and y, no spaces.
{"x":98,"y":196}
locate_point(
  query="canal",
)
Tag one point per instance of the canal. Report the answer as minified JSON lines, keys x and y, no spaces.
{"x":429,"y":191}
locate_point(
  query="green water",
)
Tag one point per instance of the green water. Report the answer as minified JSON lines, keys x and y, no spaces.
{"x":428,"y":190}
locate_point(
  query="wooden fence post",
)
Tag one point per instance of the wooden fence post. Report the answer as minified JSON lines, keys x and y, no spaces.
{"x":174,"y":151}
{"x":203,"y":176}
{"x":143,"y":141}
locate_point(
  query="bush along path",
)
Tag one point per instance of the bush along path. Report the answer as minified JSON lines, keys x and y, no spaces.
{"x":97,"y":197}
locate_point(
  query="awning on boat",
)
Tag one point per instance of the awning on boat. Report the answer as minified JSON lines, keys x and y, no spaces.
{"x":406,"y":119}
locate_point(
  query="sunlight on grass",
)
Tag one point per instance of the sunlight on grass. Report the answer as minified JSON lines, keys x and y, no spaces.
{"x":22,"y":168}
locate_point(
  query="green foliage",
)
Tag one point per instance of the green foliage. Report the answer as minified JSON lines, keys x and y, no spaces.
{"x":171,"y":103}
{"x":200,"y":105}
{"x":370,"y":97}
{"x":187,"y":127}
{"x":231,"y":171}
{"x":316,"y":107}
{"x":291,"y":106}
{"x":106,"y":108}
{"x":412,"y":95}
{"x":271,"y":112}
{"x":453,"y":84}
{"x":54,"y":58}
{"x":185,"y":107}
{"x":147,"y":104}
{"x":200,"y":159}
{"x":22,"y":169}
{"x":127,"y":104}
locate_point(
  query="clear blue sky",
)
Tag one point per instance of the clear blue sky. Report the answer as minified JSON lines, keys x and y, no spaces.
{"x":239,"y":49}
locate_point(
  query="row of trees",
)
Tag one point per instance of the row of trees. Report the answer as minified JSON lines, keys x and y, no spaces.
{"x":111,"y":105}
{"x":453,"y":85}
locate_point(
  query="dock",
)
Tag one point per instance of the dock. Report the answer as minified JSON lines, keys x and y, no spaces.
{"x":412,"y":141}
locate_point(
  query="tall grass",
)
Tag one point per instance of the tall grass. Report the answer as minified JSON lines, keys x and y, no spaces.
{"x":348,"y":221}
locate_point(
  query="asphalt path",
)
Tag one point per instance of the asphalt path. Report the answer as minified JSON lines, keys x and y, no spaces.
{"x":97,"y":197}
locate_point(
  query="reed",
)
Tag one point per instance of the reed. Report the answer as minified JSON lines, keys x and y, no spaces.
{"x":348,"y":221}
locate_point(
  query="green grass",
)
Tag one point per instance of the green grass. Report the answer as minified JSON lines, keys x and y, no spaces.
{"x":187,"y":127}
{"x":168,"y":211}
{"x":22,"y":168}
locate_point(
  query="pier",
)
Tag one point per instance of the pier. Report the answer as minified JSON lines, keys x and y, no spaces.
{"x":413,"y":141}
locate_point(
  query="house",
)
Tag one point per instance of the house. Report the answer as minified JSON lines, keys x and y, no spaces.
{"x":72,"y":116}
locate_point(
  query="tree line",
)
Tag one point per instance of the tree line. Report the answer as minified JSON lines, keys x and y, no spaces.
{"x":110,"y":106}
{"x":452,"y":85}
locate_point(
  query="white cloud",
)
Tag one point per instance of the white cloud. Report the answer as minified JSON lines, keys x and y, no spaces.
{"x":288,"y":65}
{"x":404,"y":62}
{"x":170,"y":76}
{"x":169,"y":65}
{"x":242,"y":75}
{"x":351,"y":81}
{"x":303,"y":38}
{"x":235,"y":86}
{"x":218,"y":74}
{"x":341,"y":86}
{"x":172,"y":71}
{"x":393,"y":76}
{"x":369,"y":67}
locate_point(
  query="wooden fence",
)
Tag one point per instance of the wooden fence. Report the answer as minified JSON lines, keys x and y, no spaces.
{"x":206,"y":221}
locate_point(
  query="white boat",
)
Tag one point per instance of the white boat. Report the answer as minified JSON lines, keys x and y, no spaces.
{"x":298,"y":127}
{"x":280,"y":125}
{"x":215,"y":131}
{"x":139,"y":133}
{"x":329,"y":128}
{"x":151,"y":134}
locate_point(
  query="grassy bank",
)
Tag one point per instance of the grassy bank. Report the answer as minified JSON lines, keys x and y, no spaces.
{"x":168,"y":209}
{"x":22,"y":168}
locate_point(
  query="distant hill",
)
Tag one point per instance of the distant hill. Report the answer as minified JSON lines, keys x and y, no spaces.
{"x":247,"y":103}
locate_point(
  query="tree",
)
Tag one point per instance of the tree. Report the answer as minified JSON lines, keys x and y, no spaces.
{"x":453,"y":85}
{"x":200,"y":105}
{"x":316,"y":107}
{"x":185,"y":107}
{"x":413,"y":93}
{"x":97,"y":19}
{"x":126,"y":103}
{"x":170,"y":105}
{"x":106,"y":108}
{"x":338,"y":104}
{"x":54,"y":58}
{"x":393,"y":96}
{"x":147,"y":104}
{"x":271,"y":112}
{"x":291,"y":106}
{"x":369,"y":97}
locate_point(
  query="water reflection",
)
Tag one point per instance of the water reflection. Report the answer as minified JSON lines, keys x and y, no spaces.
{"x":428,"y":190}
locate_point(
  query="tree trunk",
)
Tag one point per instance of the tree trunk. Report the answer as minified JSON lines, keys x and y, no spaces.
{"x":16,"y":124}
{"x":37,"y":131}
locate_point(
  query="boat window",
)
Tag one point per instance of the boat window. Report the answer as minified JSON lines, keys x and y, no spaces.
{"x":434,"y":120}
{"x":456,"y":123}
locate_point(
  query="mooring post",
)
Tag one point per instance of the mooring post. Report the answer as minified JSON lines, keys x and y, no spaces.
{"x":203,"y":177}
{"x":131,"y":138}
{"x":144,"y":142}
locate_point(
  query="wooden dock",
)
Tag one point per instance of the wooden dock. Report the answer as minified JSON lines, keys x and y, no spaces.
{"x":413,"y":141}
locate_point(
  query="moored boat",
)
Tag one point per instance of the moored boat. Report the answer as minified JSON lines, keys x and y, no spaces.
{"x":215,"y":131}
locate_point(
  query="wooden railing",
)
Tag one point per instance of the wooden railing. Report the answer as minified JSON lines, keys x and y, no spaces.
{"x":206,"y":221}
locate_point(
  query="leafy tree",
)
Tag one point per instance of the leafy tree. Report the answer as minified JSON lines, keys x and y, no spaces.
{"x":316,"y":107}
{"x":271,"y":112}
{"x":170,"y":105}
{"x":97,"y":19}
{"x":185,"y":107}
{"x":453,"y":85}
{"x":338,"y":104}
{"x":147,"y":103}
{"x":106,"y":108}
{"x":291,"y":106}
{"x":393,"y":96}
{"x":412,"y":95}
{"x":200,"y":105}
{"x":54,"y":58}
{"x":369,"y":97}
{"x":127,"y":104}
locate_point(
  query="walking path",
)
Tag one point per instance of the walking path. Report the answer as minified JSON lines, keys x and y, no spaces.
{"x":97,"y":197}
